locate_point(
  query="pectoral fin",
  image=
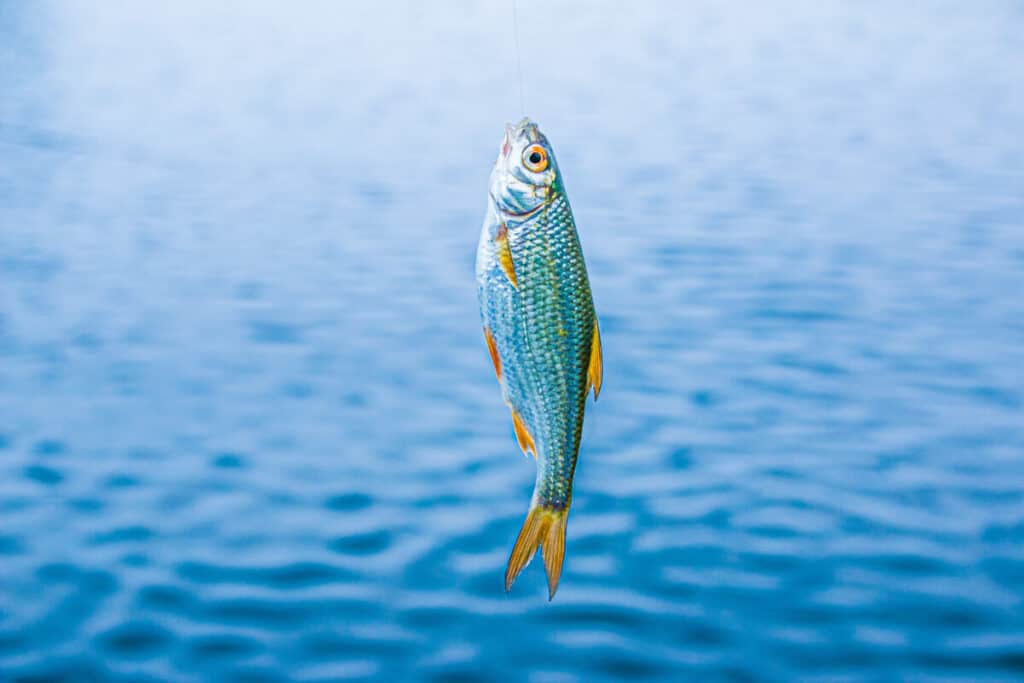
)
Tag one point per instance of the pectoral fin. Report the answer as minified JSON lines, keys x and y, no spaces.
{"x":504,"y":254}
{"x":595,"y":372}
{"x":523,"y":435}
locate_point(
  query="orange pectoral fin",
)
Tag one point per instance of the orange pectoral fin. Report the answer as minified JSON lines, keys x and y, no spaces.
{"x":523,"y":435}
{"x":492,"y":349}
{"x":595,"y":372}
{"x":504,"y":253}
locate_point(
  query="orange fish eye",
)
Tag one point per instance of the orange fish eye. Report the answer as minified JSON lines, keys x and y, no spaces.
{"x":535,"y":158}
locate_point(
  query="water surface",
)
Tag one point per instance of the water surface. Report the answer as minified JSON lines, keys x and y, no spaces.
{"x":248,"y":426}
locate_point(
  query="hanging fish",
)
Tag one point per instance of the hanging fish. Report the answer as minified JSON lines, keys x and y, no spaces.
{"x":541,"y":331}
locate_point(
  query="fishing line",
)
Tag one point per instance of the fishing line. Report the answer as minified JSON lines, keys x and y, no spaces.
{"x":519,"y":61}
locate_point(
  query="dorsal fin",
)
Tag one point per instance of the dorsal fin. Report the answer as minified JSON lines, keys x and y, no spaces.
{"x":595,"y":371}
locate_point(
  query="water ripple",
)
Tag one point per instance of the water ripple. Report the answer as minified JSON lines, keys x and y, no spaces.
{"x":248,"y":428}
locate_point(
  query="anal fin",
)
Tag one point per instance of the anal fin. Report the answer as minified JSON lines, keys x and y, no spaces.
{"x":523,"y":435}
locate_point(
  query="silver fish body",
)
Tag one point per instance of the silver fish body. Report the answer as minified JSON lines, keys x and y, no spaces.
{"x":541,"y":330}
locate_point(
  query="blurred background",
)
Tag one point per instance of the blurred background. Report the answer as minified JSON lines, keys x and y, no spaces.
{"x":248,"y":426}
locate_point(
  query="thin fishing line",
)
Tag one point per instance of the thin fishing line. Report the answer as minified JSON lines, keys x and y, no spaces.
{"x":519,"y":61}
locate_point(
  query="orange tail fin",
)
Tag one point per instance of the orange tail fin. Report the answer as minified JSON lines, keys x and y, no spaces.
{"x":544,"y":527}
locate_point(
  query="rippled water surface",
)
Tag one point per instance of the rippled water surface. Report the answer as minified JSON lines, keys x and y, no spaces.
{"x":248,"y":427}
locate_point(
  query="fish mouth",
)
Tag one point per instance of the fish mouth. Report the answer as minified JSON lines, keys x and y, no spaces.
{"x":513,"y":132}
{"x":519,"y":135}
{"x":506,"y":143}
{"x":525,"y":127}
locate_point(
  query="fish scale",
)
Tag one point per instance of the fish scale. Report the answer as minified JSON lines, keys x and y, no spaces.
{"x":539,"y":319}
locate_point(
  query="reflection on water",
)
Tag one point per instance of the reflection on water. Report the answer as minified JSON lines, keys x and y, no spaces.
{"x":247,"y":423}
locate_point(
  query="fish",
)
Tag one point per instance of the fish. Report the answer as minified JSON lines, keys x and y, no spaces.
{"x":541,"y":331}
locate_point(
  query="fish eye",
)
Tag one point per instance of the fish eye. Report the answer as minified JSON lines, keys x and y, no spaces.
{"x":535,"y":158}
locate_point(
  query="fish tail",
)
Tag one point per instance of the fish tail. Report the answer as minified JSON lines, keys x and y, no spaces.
{"x":544,"y":527}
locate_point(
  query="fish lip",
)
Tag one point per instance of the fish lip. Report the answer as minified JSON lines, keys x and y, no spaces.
{"x":506,"y":143}
{"x":526,"y":127}
{"x":523,"y":124}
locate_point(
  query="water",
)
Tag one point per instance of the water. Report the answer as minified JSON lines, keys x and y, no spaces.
{"x":248,"y":427}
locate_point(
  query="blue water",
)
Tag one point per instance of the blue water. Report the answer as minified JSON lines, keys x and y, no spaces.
{"x":248,"y":426}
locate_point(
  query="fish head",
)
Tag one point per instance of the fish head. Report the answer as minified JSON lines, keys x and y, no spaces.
{"x":525,"y":176}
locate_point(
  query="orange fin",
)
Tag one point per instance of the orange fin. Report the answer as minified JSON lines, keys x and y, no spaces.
{"x":544,"y":527}
{"x":492,"y":349}
{"x":552,"y":547}
{"x":523,"y":435}
{"x":595,"y":372}
{"x":504,"y":252}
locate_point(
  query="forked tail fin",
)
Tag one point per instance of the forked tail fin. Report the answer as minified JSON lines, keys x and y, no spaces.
{"x":544,"y":527}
